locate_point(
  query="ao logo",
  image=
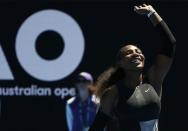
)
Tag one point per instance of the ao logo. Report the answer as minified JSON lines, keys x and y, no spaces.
{"x":31,"y":62}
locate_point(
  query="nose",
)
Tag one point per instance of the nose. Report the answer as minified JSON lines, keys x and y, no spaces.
{"x":136,"y":53}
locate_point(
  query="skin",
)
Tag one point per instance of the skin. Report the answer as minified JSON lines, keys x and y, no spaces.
{"x":132,"y":63}
{"x":83,"y":90}
{"x":146,"y":9}
{"x":132,"y":58}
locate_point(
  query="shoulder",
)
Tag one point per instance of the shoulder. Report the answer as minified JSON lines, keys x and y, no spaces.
{"x":108,"y":99}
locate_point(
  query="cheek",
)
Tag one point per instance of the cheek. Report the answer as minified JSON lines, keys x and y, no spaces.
{"x":143,"y":60}
{"x":143,"y":57}
{"x":143,"y":64}
{"x":124,"y":62}
{"x":126,"y":59}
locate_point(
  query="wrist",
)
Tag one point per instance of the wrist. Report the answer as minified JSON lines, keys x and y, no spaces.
{"x":151,"y":13}
{"x":155,"y":18}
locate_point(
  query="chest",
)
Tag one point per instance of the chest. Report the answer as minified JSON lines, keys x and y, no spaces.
{"x":142,"y":103}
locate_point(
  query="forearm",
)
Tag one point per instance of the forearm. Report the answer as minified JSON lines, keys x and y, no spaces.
{"x":155,"y":18}
{"x":168,"y":39}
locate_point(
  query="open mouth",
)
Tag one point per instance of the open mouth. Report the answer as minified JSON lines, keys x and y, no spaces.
{"x":137,"y":60}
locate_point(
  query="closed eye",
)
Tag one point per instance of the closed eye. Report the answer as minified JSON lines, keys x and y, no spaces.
{"x":128,"y":52}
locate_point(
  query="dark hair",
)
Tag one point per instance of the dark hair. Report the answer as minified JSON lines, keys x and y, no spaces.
{"x":108,"y":78}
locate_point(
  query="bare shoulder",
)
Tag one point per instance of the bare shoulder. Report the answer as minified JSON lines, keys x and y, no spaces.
{"x":108,"y":99}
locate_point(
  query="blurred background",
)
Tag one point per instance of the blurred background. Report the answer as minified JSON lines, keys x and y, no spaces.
{"x":47,"y":43}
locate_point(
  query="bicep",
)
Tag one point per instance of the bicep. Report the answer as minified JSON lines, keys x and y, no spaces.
{"x":158,"y":71}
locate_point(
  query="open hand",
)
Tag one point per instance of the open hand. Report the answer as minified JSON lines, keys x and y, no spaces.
{"x":144,"y":9}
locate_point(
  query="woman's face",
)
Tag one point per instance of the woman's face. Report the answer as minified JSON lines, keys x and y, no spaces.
{"x":131,"y":58}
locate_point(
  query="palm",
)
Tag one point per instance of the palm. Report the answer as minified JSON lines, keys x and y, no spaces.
{"x":143,"y":9}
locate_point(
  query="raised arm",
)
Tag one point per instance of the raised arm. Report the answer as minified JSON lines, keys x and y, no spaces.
{"x":164,"y":58}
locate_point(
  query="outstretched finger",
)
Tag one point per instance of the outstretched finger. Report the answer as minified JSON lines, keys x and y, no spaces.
{"x":144,"y":5}
{"x":136,"y":8}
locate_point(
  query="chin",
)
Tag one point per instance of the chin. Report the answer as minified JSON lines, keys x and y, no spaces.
{"x":139,"y":67}
{"x":136,"y":69}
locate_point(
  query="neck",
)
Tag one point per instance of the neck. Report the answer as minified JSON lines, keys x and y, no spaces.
{"x":132,"y":79}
